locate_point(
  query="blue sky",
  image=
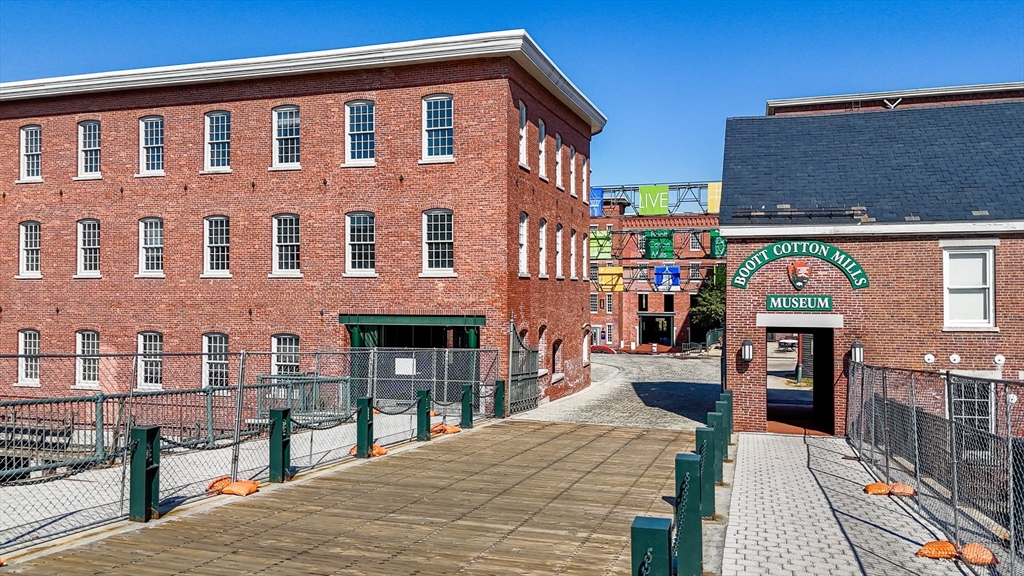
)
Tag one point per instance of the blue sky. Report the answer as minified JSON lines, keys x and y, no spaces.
{"x":667,"y":74}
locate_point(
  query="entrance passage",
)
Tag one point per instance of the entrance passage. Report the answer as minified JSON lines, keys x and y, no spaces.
{"x":800,"y":380}
{"x":656,"y":329}
{"x":412,"y":331}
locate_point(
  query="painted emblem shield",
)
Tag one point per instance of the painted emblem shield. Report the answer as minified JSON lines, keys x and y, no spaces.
{"x":799,"y":274}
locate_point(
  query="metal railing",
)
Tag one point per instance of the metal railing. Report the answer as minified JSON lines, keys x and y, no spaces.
{"x":63,"y":464}
{"x":959,"y":440}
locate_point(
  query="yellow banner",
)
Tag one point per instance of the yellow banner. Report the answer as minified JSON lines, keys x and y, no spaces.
{"x":714,"y":197}
{"x":609,"y":279}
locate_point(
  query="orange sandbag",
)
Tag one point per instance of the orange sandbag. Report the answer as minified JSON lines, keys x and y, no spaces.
{"x":241,"y":487}
{"x":877,"y":489}
{"x":901,"y":489}
{"x":376,"y":450}
{"x":939,"y":549}
{"x":441,"y":428}
{"x":432,"y":413}
{"x":375,"y":411}
{"x":217,"y":485}
{"x":977,"y":554}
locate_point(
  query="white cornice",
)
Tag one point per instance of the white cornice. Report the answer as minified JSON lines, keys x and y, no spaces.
{"x":516,"y":44}
{"x":868,"y":229}
{"x":772,"y":105}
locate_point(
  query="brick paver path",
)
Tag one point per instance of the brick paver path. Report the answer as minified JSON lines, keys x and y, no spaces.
{"x":799,"y":509}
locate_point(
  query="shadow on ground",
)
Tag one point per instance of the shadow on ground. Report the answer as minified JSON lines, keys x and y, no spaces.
{"x":687,"y":399}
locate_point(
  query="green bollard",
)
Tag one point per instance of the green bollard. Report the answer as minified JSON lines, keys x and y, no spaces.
{"x":706,"y":449}
{"x":423,"y":415}
{"x":723,"y":407}
{"x":364,"y":427}
{"x":499,"y":399}
{"x":730,"y":422}
{"x":144,"y":492}
{"x":467,"y":407}
{"x":280,"y":444}
{"x":689,"y":544}
{"x":651,"y":546}
{"x":715,"y":420}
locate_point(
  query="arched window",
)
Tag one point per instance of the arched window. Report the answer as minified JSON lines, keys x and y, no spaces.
{"x":586,"y":346}
{"x":359,"y":133}
{"x":524,"y":266}
{"x":438,"y":128}
{"x":556,"y":358}
{"x":522,"y":135}
{"x":542,"y":243}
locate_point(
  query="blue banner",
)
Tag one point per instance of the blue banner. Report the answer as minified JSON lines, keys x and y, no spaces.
{"x":666,"y":276}
{"x":596,"y":203}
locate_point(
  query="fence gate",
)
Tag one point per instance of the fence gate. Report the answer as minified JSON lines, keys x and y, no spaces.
{"x":522,"y":374}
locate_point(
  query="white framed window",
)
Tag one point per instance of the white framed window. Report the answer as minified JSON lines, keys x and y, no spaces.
{"x":151,"y":146}
{"x":87,"y":361}
{"x":286,"y":253}
{"x":438,"y":243}
{"x":968,"y":284}
{"x":88,"y":248}
{"x":28,"y":358}
{"x":215,"y":359}
{"x":594,"y":266}
{"x":595,"y":299}
{"x":286,"y":138}
{"x":217,"y":247}
{"x":359,"y":136}
{"x":31,"y":154}
{"x":542,"y":149}
{"x":558,"y":252}
{"x":89,"y":149}
{"x":572,"y":170}
{"x":151,"y":361}
{"x":572,"y":255}
{"x":523,"y":160}
{"x":218,"y":142}
{"x":151,"y":247}
{"x":361,"y":248}
{"x":695,"y":273}
{"x":643,"y":271}
{"x":586,"y":179}
{"x":542,"y":242}
{"x":585,"y":249}
{"x":973,"y":405}
{"x":438,"y":128}
{"x":558,"y":162}
{"x":524,"y":265}
{"x":608,"y":332}
{"x":285,"y":354}
{"x":30,"y":245}
{"x":695,"y":245}
{"x":608,"y":302}
{"x":641,"y":244}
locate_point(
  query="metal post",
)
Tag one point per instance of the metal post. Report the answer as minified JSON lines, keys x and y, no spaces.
{"x":423,"y":415}
{"x":280,"y":444}
{"x":1010,"y":399}
{"x":144,"y":498}
{"x":954,"y":456}
{"x":715,"y":421}
{"x":499,"y":398}
{"x":723,"y":407}
{"x":885,"y":424}
{"x":237,"y":441}
{"x":860,"y":432}
{"x":871,"y":458}
{"x":730,"y":423}
{"x":467,"y":406}
{"x":101,"y":452}
{"x":209,"y":415}
{"x":688,"y":544}
{"x":707,"y":452}
{"x":650,"y":546}
{"x":917,"y":447}
{"x":364,"y":427}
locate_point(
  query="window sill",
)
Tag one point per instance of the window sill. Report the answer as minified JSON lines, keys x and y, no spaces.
{"x":524,"y":166}
{"x":21,"y":384}
{"x":559,"y":277}
{"x":573,"y":194}
{"x":438,"y":274}
{"x":542,"y":372}
{"x":285,"y":275}
{"x":216,"y":171}
{"x":970,"y":329}
{"x":87,"y":277}
{"x":542,"y":276}
{"x":285,"y":168}
{"x":29,"y":181}
{"x":29,"y":277}
{"x":355,"y":164}
{"x":360,"y":275}
{"x":438,"y":160}
{"x":150,"y":275}
{"x":574,"y":277}
{"x":96,"y":176}
{"x":148,"y":388}
{"x":557,"y":377}
{"x":214,"y":275}
{"x":95,"y":387}
{"x":154,"y":174}
{"x":544,"y":177}
{"x":524,"y":275}
{"x":560,"y":187}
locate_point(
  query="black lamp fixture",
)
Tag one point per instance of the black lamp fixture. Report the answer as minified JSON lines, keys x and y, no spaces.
{"x":747,"y":351}
{"x":857,"y":353}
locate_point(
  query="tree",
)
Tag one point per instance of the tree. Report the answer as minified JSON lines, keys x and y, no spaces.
{"x":708,"y":311}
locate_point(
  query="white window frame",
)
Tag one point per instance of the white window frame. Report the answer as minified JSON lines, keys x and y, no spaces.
{"x":524,"y":161}
{"x":595,"y":301}
{"x":276,"y":270}
{"x":208,"y":167}
{"x":542,"y":253}
{"x":558,"y":253}
{"x":608,"y":303}
{"x":24,"y":272}
{"x":695,"y":245}
{"x":695,"y":271}
{"x":983,"y":247}
{"x":143,"y":271}
{"x":212,"y":359}
{"x":426,"y":157}
{"x":572,"y":171}
{"x":586,"y":173}
{"x":968,"y":422}
{"x":643,"y":271}
{"x":360,"y":272}
{"x":276,"y":342}
{"x":150,"y":360}
{"x":349,"y":134}
{"x":82,"y":173}
{"x":558,"y":162}
{"x":429,"y":272}
{"x":585,"y":249}
{"x":542,"y":150}
{"x":143,"y":171}
{"x":82,"y":272}
{"x":28,"y":360}
{"x":84,"y":358}
{"x":524,"y":257}
{"x":208,"y":271}
{"x":572,"y":255}
{"x":23,"y":154}
{"x":275,"y":162}
{"x":608,"y":332}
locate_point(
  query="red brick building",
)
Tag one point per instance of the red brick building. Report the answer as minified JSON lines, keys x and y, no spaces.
{"x":894,"y":220}
{"x":366,"y":196}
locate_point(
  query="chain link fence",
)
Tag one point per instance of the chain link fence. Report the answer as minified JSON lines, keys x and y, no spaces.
{"x":63,"y":464}
{"x":959,"y":440}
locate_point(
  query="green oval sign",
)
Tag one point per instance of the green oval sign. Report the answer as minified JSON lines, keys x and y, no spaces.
{"x":812,"y":248}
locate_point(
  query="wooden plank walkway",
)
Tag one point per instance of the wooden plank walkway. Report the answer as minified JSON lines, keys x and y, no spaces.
{"x":515,"y":497}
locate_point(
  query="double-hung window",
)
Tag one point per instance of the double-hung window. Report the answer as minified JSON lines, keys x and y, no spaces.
{"x":88,"y":249}
{"x":87,"y":361}
{"x":594,"y":266}
{"x":285,"y":354}
{"x":151,"y":247}
{"x":217,"y":249}
{"x":969,"y":281}
{"x":29,"y":249}
{"x":151,"y":146}
{"x":586,"y":178}
{"x":286,"y":246}
{"x":585,"y":249}
{"x":218,"y":142}
{"x":438,"y":243}
{"x":286,"y":138}
{"x":572,"y":255}
{"x":524,"y":265}
{"x":542,"y":255}
{"x":695,"y":245}
{"x":31,"y":154}
{"x":360,"y":137}
{"x":215,"y":359}
{"x":595,"y":298}
{"x":572,"y":170}
{"x":28,"y":359}
{"x":558,"y":252}
{"x":361,"y":249}
{"x":542,"y":155}
{"x":643,"y":271}
{"x":608,"y":302}
{"x":523,"y":160}
{"x":89,"y":149}
{"x":558,"y":162}
{"x":438,"y":128}
{"x":695,"y":273}
{"x":151,"y":361}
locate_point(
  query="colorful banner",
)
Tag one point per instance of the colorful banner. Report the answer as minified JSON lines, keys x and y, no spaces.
{"x":718,"y":245}
{"x":596,"y":202}
{"x":659,"y":244}
{"x":653,"y":201}
{"x":600,"y":245}
{"x":609,"y":279}
{"x":665,"y":277}
{"x":714,"y":197}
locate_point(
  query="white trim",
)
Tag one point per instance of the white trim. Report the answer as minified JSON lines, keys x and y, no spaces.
{"x":82,"y":175}
{"x":274,"y":352}
{"x":439,"y":158}
{"x":274,"y":163}
{"x":516,"y":44}
{"x":22,"y":154}
{"x":949,"y":325}
{"x":29,"y":181}
{"x":207,"y":149}
{"x":427,"y":272}
{"x":771,"y":105}
{"x":964,"y":242}
{"x":559,"y":264}
{"x":207,"y":271}
{"x":81,"y":272}
{"x":143,"y":273}
{"x":23,"y":380}
{"x":207,"y":354}
{"x":524,"y":249}
{"x":524,"y":160}
{"x":23,"y":272}
{"x":438,"y":274}
{"x":572,"y":170}
{"x":542,"y":248}
{"x":93,"y":176}
{"x":572,"y":255}
{"x":800,"y":320}
{"x":80,"y":383}
{"x":586,"y":173}
{"x":349,"y":161}
{"x":558,"y":161}
{"x":359,"y":272}
{"x":275,"y":270}
{"x":925,"y":228}
{"x":143,"y":172}
{"x":141,"y":373}
{"x":542,"y":150}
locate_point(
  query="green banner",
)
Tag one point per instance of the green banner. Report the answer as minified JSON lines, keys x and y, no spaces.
{"x":847,"y":264}
{"x":658,"y":244}
{"x":600,"y":245}
{"x":653,"y":201}
{"x":788,"y":303}
{"x":718,"y":245}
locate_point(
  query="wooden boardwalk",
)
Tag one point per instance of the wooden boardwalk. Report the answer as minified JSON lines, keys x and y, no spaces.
{"x":515,"y":497}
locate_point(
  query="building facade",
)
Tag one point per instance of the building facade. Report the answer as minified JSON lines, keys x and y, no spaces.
{"x":369,"y":196}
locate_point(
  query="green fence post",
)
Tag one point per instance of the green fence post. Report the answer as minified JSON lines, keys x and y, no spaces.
{"x":280,"y":444}
{"x":689,"y":545}
{"x":706,"y":449}
{"x":715,"y":420}
{"x":423,"y":414}
{"x":499,"y":399}
{"x":467,"y":406}
{"x":144,"y":490}
{"x":364,"y":427}
{"x":730,"y":422}
{"x":651,"y":546}
{"x":723,"y":407}
{"x":101,"y":452}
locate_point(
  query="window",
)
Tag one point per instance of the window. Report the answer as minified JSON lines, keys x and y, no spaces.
{"x":215,"y":360}
{"x":572,"y":255}
{"x":523,"y":161}
{"x":586,"y":256}
{"x":670,"y":303}
{"x":524,"y":268}
{"x":88,"y":248}
{"x":151,"y":146}
{"x":558,"y":162}
{"x":218,"y":142}
{"x":974,"y":404}
{"x":587,"y":343}
{"x":438,"y":242}
{"x":608,"y":302}
{"x":151,"y":361}
{"x":641,"y":244}
{"x":969,"y":302}
{"x":286,"y":245}
{"x":641,"y":302}
{"x":586,"y":174}
{"x":643,"y":271}
{"x":695,"y":271}
{"x":151,"y":247}
{"x":593,"y":269}
{"x":359,"y":122}
{"x":361,"y":257}
{"x":542,"y":255}
{"x":608,"y":332}
{"x":28,"y":266}
{"x":438,"y":136}
{"x":286,"y":137}
{"x":89,"y":149}
{"x":31,"y":154}
{"x":572,"y":170}
{"x":28,"y":360}
{"x":695,"y":242}
{"x":542,"y":155}
{"x":217,"y":260}
{"x":595,"y":300}
{"x":558,"y":251}
{"x":285,"y":357}
{"x":87,"y":362}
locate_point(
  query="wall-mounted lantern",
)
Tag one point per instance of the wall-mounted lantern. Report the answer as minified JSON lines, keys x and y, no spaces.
{"x":747,"y":351}
{"x":857,"y":353}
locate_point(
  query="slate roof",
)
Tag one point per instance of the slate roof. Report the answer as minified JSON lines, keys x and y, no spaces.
{"x":936,"y":163}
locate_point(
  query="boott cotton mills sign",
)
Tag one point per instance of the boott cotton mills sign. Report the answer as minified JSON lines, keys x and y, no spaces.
{"x":847,"y":264}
